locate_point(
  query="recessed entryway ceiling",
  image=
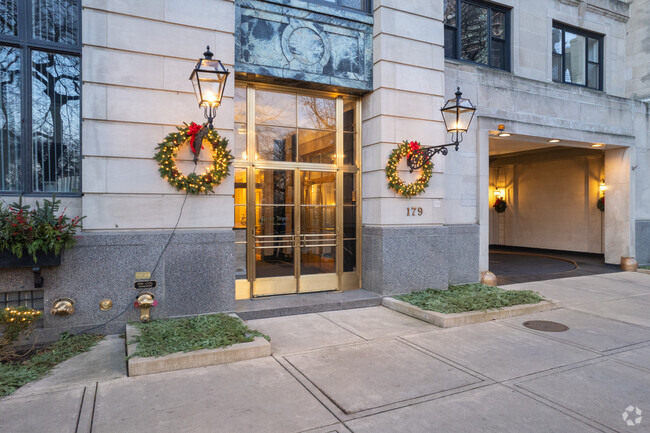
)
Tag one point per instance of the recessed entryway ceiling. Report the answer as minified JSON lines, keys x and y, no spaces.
{"x":522,"y":143}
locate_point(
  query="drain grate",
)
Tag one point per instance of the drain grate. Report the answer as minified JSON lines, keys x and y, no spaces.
{"x":546,"y":326}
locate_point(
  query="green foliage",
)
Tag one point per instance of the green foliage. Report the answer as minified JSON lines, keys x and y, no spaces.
{"x":392,"y":174}
{"x":469,"y":297}
{"x":645,"y":267}
{"x":16,"y":374}
{"x":14,"y":321}
{"x":194,"y":183}
{"x":164,"y":336}
{"x":37,"y":230}
{"x":500,"y":205}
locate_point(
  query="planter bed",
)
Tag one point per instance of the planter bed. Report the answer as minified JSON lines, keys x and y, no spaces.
{"x":459,"y":319}
{"x":138,"y":366}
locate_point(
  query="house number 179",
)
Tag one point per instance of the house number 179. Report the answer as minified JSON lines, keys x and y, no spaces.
{"x":413,"y":211}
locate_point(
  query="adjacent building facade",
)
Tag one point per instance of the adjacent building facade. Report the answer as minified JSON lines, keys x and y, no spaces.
{"x":320,"y":93}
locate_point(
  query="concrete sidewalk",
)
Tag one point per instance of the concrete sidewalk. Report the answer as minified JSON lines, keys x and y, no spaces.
{"x":375,"y":370}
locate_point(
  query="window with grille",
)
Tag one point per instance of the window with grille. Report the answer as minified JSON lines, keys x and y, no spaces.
{"x":577,"y":57}
{"x":40,"y":96}
{"x":28,"y":298}
{"x":477,"y":32}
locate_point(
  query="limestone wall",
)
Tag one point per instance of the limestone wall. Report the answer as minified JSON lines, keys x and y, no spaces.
{"x":637,"y":76}
{"x":532,"y":23}
{"x":407,"y":93}
{"x":137,"y":58}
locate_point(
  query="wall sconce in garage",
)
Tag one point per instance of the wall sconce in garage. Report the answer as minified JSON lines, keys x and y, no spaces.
{"x":457,"y":114}
{"x":209,"y":80}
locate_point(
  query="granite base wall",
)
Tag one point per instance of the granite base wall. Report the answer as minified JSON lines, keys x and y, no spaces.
{"x":196,"y":275}
{"x":643,"y":242}
{"x":401,"y":259}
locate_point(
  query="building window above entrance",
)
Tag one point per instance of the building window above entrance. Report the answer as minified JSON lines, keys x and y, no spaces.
{"x":577,"y":57}
{"x":477,"y":32}
{"x":40,"y":91}
{"x":355,"y":5}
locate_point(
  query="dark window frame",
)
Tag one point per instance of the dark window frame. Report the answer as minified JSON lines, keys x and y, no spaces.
{"x":587,"y":35}
{"x":367,"y":6}
{"x":458,"y":33}
{"x":27,"y":44}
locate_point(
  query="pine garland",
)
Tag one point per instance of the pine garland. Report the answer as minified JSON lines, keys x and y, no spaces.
{"x":193,"y":183}
{"x":395,"y":183}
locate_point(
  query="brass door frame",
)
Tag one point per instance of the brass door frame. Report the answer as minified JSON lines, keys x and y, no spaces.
{"x":344,"y":280}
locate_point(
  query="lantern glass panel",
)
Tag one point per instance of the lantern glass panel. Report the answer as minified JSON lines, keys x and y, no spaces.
{"x":449,"y":117}
{"x":209,"y":79}
{"x":465,"y":116}
{"x":457,"y":114}
{"x":197,"y":87}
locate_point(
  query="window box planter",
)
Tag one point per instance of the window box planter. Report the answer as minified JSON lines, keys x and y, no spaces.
{"x":9,"y":261}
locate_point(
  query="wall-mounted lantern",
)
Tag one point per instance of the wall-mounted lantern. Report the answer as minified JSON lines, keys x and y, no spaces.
{"x":498,"y":193}
{"x":209,"y":80}
{"x":457,"y":113}
{"x":602,"y":188}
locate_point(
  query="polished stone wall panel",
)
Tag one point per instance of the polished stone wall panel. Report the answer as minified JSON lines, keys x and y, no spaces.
{"x":295,"y":40}
{"x":402,"y":259}
{"x":643,"y":242}
{"x":196,"y":275}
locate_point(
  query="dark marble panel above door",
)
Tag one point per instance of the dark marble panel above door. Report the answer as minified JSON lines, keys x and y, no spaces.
{"x":308,"y":42}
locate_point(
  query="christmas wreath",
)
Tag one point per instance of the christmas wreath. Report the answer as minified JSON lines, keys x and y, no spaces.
{"x":600,"y":204}
{"x":500,"y":205}
{"x":196,"y":135}
{"x":395,"y":183}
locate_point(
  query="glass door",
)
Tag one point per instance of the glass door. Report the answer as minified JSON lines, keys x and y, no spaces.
{"x":318,"y":234}
{"x":297,"y":217}
{"x":274,"y":236}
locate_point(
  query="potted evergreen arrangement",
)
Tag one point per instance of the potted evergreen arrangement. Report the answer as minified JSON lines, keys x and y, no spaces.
{"x":35,"y":235}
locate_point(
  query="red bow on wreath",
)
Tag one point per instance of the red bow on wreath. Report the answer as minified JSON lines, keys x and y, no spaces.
{"x":193,"y":130}
{"x":413,"y":147}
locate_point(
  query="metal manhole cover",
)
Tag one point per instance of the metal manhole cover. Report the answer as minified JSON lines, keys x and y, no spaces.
{"x":546,"y":326}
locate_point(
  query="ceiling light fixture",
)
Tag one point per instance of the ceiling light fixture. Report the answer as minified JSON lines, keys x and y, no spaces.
{"x":502,"y":132}
{"x":553,"y":140}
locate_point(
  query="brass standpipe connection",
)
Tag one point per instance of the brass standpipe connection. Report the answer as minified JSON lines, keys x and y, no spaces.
{"x":145,"y":302}
{"x":62,"y":307}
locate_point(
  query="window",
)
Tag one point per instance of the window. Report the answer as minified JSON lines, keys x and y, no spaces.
{"x":577,"y":57}
{"x":29,"y":298}
{"x":477,"y":32}
{"x":355,"y":5}
{"x":40,"y":119}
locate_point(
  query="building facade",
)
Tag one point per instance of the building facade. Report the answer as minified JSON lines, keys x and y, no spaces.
{"x":320,"y":93}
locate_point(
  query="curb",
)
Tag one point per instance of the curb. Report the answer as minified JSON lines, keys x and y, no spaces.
{"x":459,"y":319}
{"x":139,"y":366}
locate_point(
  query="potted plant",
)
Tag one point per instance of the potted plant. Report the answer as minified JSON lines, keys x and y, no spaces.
{"x":35,"y":235}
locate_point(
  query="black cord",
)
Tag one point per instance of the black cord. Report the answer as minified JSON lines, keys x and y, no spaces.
{"x":180,"y":214}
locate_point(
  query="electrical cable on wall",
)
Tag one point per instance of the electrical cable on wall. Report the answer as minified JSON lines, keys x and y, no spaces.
{"x":180,"y":214}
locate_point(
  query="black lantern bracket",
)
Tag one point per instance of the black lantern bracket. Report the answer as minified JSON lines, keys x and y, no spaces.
{"x":457,"y":113}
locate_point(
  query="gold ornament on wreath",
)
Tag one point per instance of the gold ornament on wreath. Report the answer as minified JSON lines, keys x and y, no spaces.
{"x":404,"y":150}
{"x":195,"y":135}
